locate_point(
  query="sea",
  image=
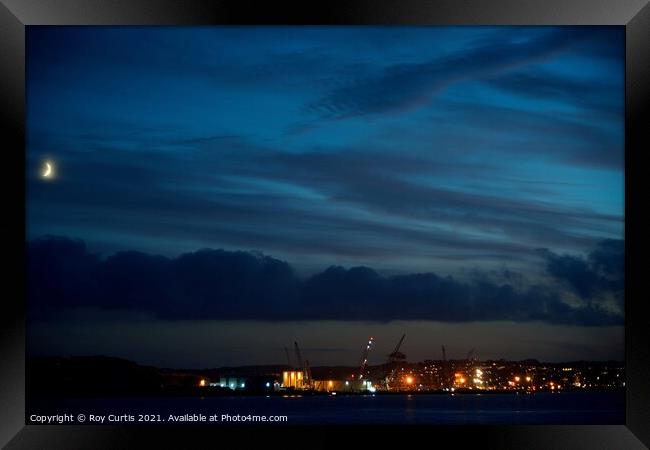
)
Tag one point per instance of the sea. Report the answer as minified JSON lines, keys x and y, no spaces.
{"x":566,"y":408}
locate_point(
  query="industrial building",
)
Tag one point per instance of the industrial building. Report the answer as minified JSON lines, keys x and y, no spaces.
{"x":293,"y":379}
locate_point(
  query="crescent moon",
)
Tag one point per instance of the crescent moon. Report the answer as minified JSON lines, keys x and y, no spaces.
{"x":48,"y":170}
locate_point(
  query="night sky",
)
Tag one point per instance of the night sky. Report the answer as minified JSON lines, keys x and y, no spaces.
{"x":219,"y":192}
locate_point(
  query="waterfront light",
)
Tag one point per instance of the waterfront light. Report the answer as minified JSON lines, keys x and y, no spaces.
{"x":409,"y":380}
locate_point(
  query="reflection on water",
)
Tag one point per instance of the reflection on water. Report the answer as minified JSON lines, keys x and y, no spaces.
{"x":542,"y":408}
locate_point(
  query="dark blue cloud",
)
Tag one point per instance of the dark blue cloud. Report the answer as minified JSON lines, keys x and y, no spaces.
{"x":405,"y":85}
{"x":603,"y":270}
{"x":600,"y":96}
{"x":62,"y":271}
{"x":218,"y":284}
{"x":171,"y":139}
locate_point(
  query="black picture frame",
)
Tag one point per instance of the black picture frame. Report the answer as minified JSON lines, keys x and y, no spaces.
{"x":15,"y":15}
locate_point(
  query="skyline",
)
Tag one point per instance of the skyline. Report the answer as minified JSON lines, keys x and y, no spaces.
{"x":327,"y":175}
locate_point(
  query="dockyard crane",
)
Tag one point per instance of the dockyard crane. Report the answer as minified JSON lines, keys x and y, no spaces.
{"x":445,"y":368}
{"x":308,"y":379}
{"x":286,"y":351}
{"x":301,"y":364}
{"x":396,"y":355}
{"x":469,"y":360}
{"x":298,"y":355}
{"x":363,"y":365}
{"x":394,"y":358}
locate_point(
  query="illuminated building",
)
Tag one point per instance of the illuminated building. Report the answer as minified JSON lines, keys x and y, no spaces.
{"x":292,"y":379}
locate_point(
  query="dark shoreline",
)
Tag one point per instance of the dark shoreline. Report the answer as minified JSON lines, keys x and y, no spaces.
{"x":208,"y":392}
{"x":101,"y":376}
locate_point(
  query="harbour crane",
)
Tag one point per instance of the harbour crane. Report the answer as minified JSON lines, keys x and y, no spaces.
{"x":396,"y":355}
{"x":394,"y":358}
{"x":470,"y":359}
{"x":286,"y":351}
{"x":446,"y":365}
{"x":309,"y":382}
{"x":363,"y":365}
{"x":303,"y":365}
{"x":445,"y":368}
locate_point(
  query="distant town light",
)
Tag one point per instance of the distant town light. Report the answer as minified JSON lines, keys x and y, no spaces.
{"x":202,"y":382}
